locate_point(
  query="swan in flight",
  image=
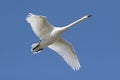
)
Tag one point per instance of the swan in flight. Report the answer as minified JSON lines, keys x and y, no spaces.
{"x":50,"y":36}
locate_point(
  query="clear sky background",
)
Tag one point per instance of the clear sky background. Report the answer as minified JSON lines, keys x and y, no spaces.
{"x":96,"y":41}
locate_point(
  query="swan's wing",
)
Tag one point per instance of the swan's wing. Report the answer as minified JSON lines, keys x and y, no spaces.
{"x":39,"y":24}
{"x":65,"y":50}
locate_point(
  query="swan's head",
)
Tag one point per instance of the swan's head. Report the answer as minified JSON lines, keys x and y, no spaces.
{"x":32,"y":18}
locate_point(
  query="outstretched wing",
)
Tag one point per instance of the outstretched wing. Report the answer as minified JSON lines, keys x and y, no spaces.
{"x":65,"y":50}
{"x":39,"y":24}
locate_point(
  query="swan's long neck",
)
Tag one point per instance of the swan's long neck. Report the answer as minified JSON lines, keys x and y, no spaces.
{"x":60,"y":30}
{"x":77,"y":21}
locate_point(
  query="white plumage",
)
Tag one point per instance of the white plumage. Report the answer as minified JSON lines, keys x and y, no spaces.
{"x":50,"y":37}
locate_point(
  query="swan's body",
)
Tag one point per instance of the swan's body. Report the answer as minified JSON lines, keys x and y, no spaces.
{"x":50,"y":36}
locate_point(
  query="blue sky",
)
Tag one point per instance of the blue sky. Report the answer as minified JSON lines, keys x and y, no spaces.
{"x":96,"y":41}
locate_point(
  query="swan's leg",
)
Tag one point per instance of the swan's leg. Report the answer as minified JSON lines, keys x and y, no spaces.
{"x":39,"y":45}
{"x":41,"y":48}
{"x":35,"y":47}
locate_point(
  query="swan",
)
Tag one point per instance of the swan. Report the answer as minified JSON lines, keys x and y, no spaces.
{"x":50,"y":36}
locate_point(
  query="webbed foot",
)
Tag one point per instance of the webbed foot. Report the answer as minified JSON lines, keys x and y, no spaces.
{"x":36,"y":48}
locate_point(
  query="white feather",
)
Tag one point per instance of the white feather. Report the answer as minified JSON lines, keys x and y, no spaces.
{"x":51,"y":37}
{"x":65,"y":50}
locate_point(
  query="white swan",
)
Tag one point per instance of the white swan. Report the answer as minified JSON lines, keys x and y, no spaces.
{"x":50,"y":36}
